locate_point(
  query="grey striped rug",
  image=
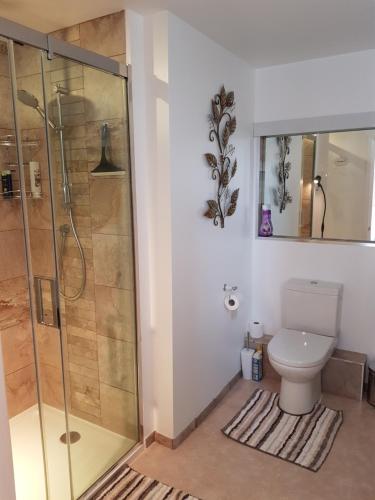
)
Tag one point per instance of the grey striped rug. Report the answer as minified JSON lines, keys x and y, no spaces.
{"x":124,"y":482}
{"x":304,"y":440}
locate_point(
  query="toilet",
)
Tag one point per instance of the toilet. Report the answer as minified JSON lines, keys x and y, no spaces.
{"x":299,"y":351}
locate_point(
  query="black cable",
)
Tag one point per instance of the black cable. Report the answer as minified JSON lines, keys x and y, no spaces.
{"x":324,"y":211}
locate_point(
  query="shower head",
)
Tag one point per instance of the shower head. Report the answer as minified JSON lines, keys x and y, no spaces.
{"x":31,"y":101}
{"x":28,"y":99}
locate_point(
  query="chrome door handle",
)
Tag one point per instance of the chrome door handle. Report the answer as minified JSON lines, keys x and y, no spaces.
{"x":47,"y":310}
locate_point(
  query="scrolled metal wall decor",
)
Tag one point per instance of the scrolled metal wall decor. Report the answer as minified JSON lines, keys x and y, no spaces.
{"x":222,"y":126}
{"x":284,"y":196}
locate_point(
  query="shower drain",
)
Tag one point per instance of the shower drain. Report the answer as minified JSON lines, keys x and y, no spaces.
{"x":74,"y":437}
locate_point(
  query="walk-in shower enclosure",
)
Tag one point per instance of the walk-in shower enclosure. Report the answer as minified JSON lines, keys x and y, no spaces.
{"x":67,"y":294}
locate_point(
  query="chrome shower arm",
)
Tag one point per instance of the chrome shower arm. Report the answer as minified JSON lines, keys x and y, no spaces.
{"x":43,"y":115}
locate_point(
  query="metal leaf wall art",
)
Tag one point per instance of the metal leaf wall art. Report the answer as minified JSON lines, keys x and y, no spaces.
{"x":223,"y":167}
{"x":284,"y":166}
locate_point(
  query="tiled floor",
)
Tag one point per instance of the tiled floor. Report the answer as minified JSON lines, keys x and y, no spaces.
{"x":213,"y":467}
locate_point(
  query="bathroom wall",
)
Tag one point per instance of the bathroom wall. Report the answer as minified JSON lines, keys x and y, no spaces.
{"x":348,"y":185}
{"x":190,"y":343}
{"x":320,"y":87}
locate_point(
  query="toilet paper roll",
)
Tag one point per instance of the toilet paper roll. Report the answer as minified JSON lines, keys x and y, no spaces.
{"x":256,"y":329}
{"x":231,"y":302}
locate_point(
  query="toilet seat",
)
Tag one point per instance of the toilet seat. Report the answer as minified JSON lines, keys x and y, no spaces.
{"x":300,"y":349}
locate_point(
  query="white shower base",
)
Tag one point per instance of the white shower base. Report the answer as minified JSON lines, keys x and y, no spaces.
{"x":95,"y":452}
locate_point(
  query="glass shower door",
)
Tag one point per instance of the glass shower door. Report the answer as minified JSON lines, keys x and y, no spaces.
{"x":35,"y":192}
{"x":72,"y":139}
{"x":90,"y":171}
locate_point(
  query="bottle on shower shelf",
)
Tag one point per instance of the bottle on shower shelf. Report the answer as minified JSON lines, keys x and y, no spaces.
{"x":35,"y":179}
{"x":266,"y":228}
{"x":7,"y":183}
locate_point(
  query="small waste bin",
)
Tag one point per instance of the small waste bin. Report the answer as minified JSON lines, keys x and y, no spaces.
{"x":371,"y":384}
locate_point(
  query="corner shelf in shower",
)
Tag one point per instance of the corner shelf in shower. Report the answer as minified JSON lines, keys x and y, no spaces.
{"x":7,"y":141}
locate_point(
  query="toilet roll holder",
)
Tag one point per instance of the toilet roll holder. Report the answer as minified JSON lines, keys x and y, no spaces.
{"x":228,"y":288}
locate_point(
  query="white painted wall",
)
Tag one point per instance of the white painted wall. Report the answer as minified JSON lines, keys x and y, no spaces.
{"x":206,"y":338}
{"x":190,"y":344}
{"x":147,"y":51}
{"x":335,"y":85}
{"x":318,"y":87}
{"x":348,"y":186}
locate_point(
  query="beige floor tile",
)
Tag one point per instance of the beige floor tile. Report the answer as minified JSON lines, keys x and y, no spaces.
{"x":213,"y":467}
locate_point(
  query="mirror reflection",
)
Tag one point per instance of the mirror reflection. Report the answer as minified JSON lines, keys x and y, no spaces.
{"x":318,"y":186}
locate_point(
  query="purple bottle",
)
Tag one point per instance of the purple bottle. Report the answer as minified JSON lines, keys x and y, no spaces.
{"x":266,"y":228}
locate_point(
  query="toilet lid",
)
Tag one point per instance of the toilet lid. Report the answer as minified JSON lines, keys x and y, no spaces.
{"x":300,"y":349}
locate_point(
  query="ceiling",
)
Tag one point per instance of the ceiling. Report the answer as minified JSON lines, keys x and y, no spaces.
{"x":263,"y":32}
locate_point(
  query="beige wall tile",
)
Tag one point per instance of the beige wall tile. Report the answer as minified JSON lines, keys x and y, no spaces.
{"x":10,"y":214}
{"x":113,"y":261}
{"x":51,"y":386}
{"x":21,"y":390}
{"x":121,"y":58}
{"x":105,"y":93}
{"x":27,"y":59}
{"x":119,"y":411}
{"x":42,"y":255}
{"x":12,"y":254}
{"x":111,"y":207}
{"x":105,"y":35}
{"x":117,"y":363}
{"x":39,"y":210}
{"x":14,"y":302}
{"x":17,"y":347}
{"x":4,"y":62}
{"x":115,"y":313}
{"x":6,"y":117}
{"x":49,"y":349}
{"x":82,"y":370}
{"x":69,"y":34}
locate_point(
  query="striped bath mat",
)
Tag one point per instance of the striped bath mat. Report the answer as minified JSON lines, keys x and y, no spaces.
{"x":304,"y":440}
{"x":124,"y":482}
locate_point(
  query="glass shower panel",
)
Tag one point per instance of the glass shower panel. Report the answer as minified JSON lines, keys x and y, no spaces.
{"x":90,"y":171}
{"x":16,"y":335}
{"x":39,"y":231}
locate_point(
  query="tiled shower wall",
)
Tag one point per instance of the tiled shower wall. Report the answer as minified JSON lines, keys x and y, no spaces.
{"x":100,"y":326}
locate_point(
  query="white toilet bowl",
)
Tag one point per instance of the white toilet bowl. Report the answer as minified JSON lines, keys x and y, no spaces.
{"x":299,"y":358}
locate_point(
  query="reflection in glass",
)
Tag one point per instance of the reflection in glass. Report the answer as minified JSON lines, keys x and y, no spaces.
{"x":340,"y":205}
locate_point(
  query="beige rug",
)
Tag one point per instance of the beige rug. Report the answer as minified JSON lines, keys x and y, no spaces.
{"x":304,"y":440}
{"x":124,"y":482}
